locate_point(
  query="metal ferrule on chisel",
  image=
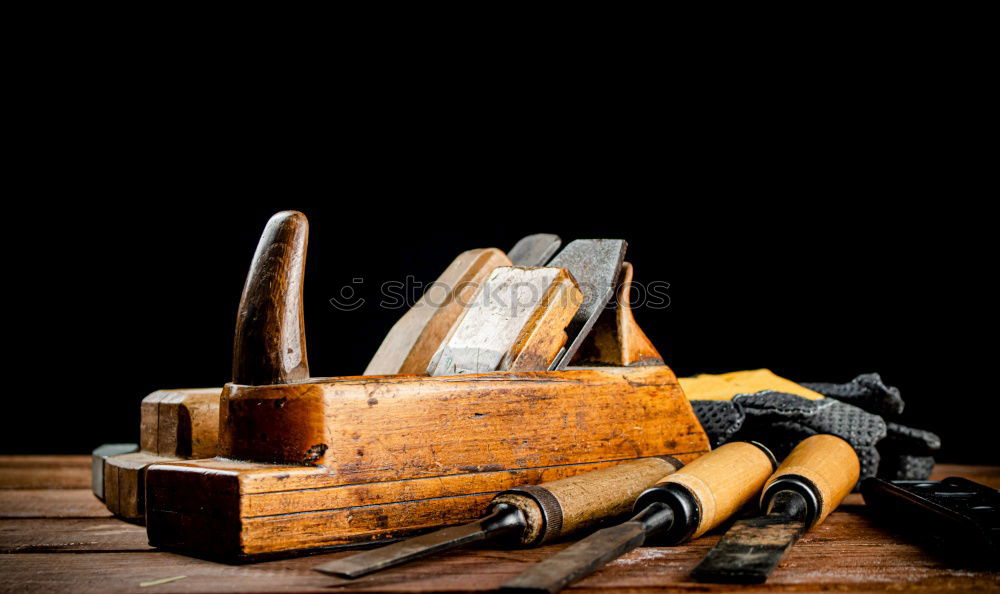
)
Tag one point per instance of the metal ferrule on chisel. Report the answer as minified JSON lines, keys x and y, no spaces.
{"x":525,"y":516}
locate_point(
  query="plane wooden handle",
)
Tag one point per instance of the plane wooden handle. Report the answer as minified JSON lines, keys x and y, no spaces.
{"x":723,"y":480}
{"x":560,"y":507}
{"x":827,"y":463}
{"x":270,"y":342}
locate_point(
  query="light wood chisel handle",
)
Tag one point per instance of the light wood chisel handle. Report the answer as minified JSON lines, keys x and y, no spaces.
{"x":823,"y":468}
{"x":719,"y":483}
{"x":560,"y":507}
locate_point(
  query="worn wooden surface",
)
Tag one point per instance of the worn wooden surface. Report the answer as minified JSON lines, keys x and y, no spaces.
{"x":270,"y":342}
{"x":181,"y":423}
{"x":401,"y":453}
{"x":582,"y":500}
{"x":64,"y":541}
{"x":174,"y":425}
{"x":413,"y":340}
{"x":516,"y":322}
{"x":616,"y":338}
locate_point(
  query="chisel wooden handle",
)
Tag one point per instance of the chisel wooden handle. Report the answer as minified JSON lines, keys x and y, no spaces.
{"x":823,"y":468}
{"x":709,"y":490}
{"x":557,"y":508}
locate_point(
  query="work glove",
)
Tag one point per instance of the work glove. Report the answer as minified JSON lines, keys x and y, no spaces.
{"x":782,"y":420}
{"x":906,"y":452}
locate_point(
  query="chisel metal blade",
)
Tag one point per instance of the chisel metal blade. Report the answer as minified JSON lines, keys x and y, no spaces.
{"x":578,"y":561}
{"x":534,"y":250}
{"x":586,"y":556}
{"x":595,"y":264}
{"x":750,"y":550}
{"x":503,"y":520}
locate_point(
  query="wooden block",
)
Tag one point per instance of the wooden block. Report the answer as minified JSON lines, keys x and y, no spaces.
{"x":124,"y":490}
{"x":149,"y":421}
{"x":213,"y":508}
{"x":188,"y":422}
{"x":516,"y":322}
{"x":391,"y":455}
{"x":414,"y":339}
{"x":98,"y":456}
{"x":394,"y":427}
{"x":174,"y":425}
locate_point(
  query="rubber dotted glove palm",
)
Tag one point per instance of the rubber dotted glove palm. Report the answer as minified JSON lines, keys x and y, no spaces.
{"x":852,"y":411}
{"x":906,"y":452}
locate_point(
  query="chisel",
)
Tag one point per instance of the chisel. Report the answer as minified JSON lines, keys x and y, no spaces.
{"x":527,"y":516}
{"x":808,"y":485}
{"x":682,"y":506}
{"x":595,"y":264}
{"x":534,"y":250}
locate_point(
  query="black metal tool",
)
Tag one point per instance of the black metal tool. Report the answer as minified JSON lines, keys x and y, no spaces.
{"x":808,"y":485}
{"x":956,"y":517}
{"x":525,"y":516}
{"x":682,"y":506}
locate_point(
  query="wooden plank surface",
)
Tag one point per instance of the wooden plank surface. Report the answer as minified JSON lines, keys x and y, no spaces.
{"x":51,"y":503}
{"x":45,"y":472}
{"x":50,"y":542}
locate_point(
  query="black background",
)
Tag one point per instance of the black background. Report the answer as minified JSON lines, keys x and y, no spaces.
{"x":818,"y":272}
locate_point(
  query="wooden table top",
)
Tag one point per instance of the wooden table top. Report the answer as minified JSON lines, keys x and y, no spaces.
{"x":55,"y":536}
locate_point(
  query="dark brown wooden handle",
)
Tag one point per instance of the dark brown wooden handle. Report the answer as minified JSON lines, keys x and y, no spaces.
{"x":560,"y":507}
{"x":270,"y":343}
{"x":827,"y":463}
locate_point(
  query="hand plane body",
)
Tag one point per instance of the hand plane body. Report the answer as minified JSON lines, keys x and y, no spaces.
{"x":357,"y":459}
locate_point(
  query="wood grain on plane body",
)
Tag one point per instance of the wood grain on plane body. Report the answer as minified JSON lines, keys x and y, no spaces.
{"x":316,"y":462}
{"x":516,"y":322}
{"x":414,"y":339}
{"x":174,"y":425}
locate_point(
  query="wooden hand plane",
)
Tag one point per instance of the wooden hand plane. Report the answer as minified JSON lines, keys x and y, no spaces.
{"x":310,"y":462}
{"x":184,"y":423}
